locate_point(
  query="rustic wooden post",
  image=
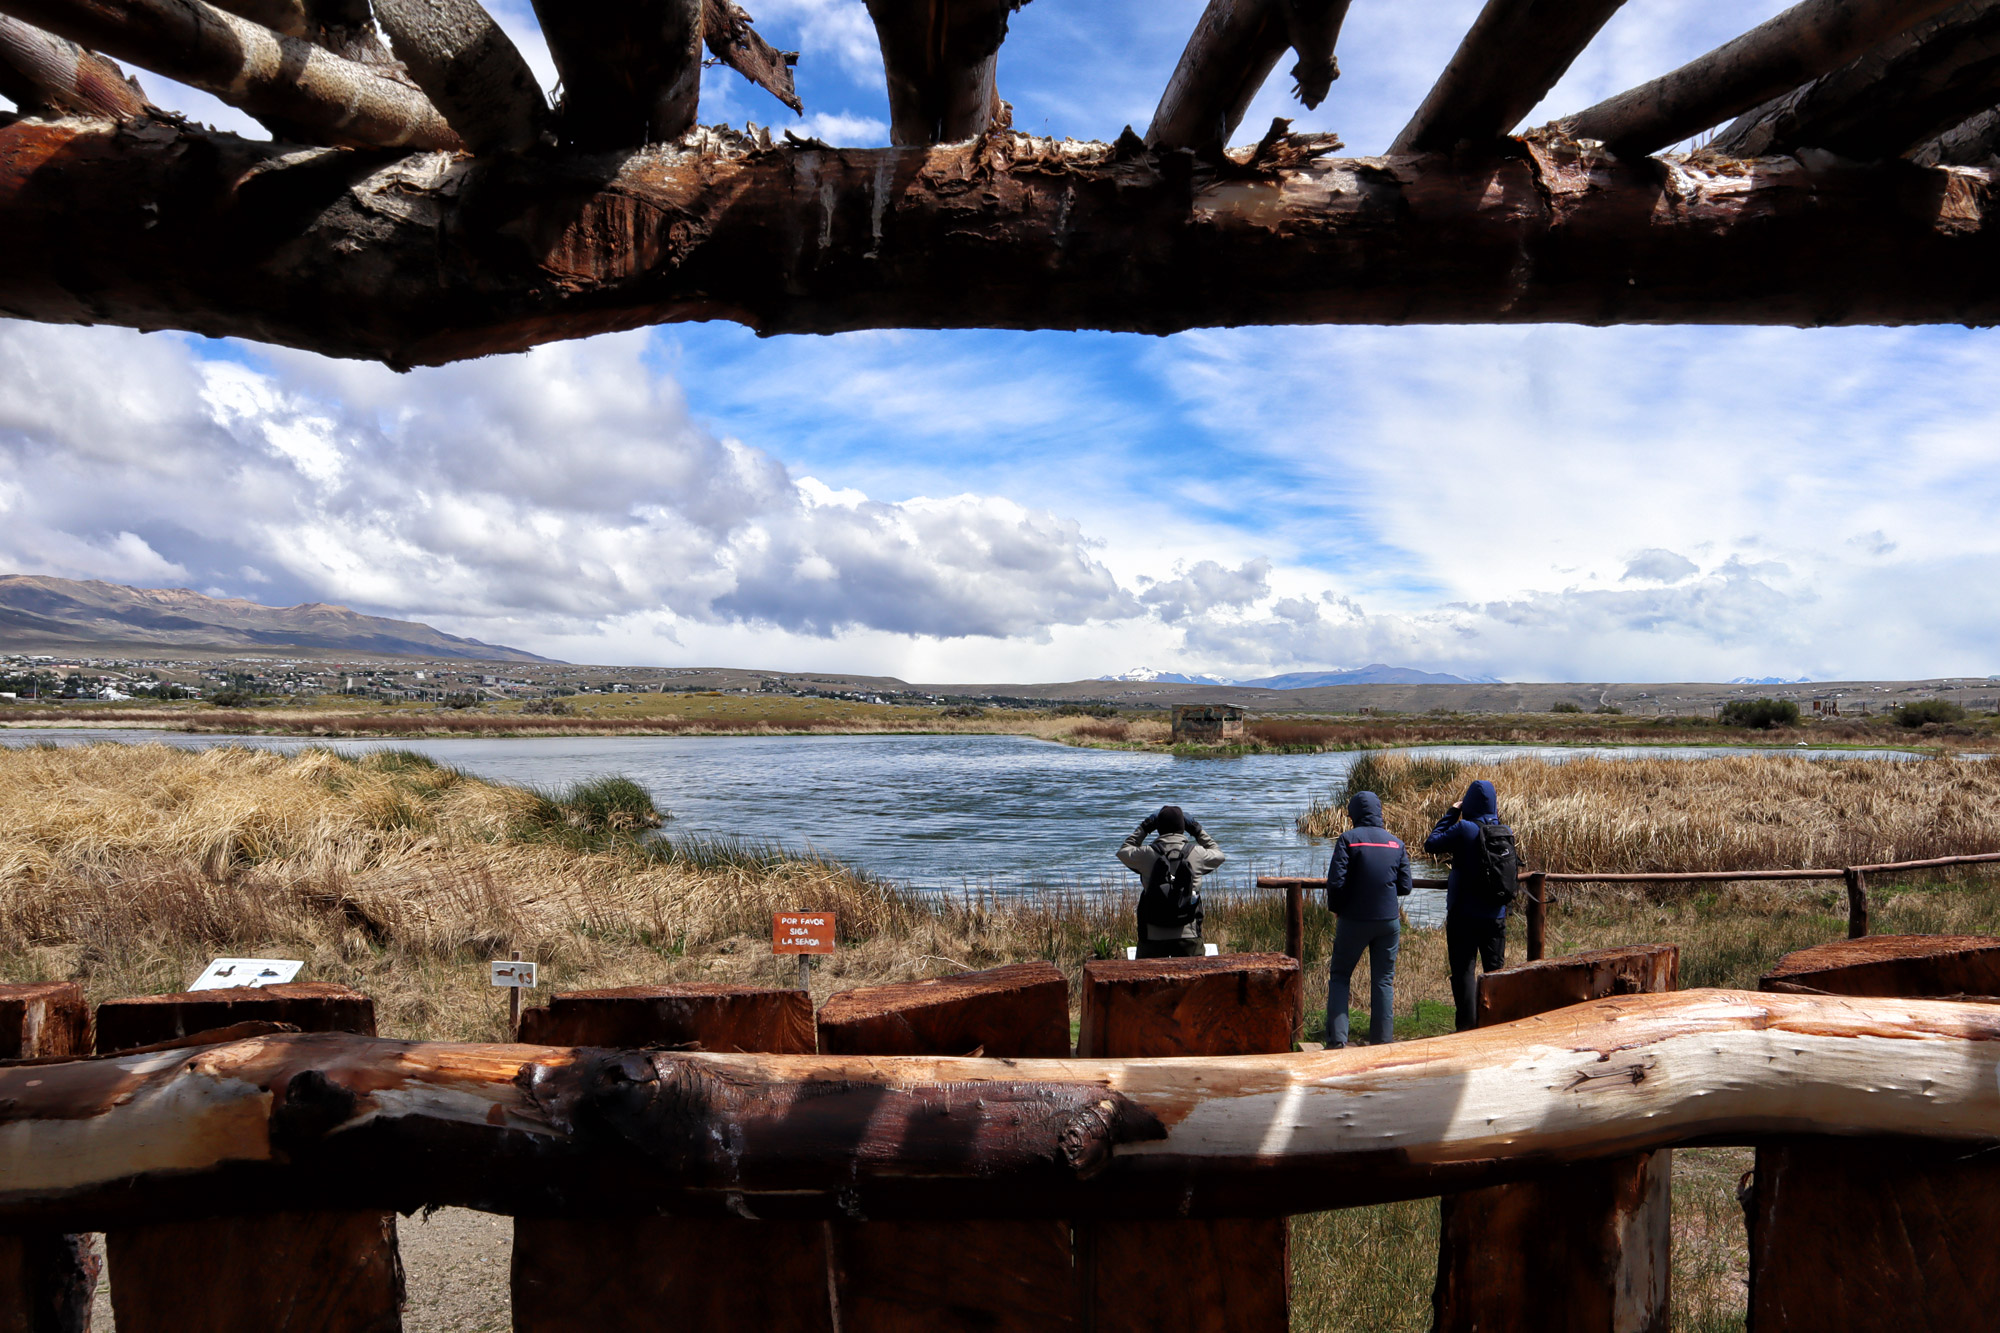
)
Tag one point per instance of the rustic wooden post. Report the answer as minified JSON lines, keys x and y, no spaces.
{"x":47,"y":1280}
{"x":1857,"y":903}
{"x":918,"y":1277}
{"x":1181,"y":1276}
{"x":1295,"y":922}
{"x":330,"y":1272}
{"x":1583,"y":1249}
{"x":1538,"y":915}
{"x":572,"y":1275}
{"x":1877,"y":1234}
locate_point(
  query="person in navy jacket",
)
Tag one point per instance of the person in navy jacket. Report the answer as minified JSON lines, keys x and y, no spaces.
{"x":1475,"y":927}
{"x":1369,"y":871}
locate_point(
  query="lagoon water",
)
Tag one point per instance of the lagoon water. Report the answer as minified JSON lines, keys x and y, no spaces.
{"x":952,"y":814}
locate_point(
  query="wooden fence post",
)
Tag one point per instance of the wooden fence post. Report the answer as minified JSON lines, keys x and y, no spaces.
{"x":592,"y":1275}
{"x":1857,"y":903}
{"x":47,"y":1280}
{"x":1860,"y":1235}
{"x":1538,"y":915}
{"x":956,"y":1277}
{"x":1583,"y":1249}
{"x":294,"y":1272}
{"x":1229,"y":1275}
{"x":1295,"y":922}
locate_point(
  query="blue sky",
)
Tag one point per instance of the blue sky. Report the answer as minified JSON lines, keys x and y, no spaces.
{"x":1529,"y":503}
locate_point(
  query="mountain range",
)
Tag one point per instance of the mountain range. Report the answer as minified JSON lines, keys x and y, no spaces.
{"x":39,"y":614}
{"x":1377,"y":673}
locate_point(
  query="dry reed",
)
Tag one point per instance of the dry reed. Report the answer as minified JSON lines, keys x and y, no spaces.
{"x":1743,"y":812}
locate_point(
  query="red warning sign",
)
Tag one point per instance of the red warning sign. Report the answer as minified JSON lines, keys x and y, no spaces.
{"x":801,"y":932}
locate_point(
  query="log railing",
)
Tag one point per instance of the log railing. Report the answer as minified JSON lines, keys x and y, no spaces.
{"x":1535,"y":884}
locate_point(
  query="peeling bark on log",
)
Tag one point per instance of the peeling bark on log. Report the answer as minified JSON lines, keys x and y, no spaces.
{"x":1229,"y":1275}
{"x":45,"y":74}
{"x":295,"y":1271}
{"x":1015,"y":1012}
{"x":1514,"y":53}
{"x":1314,"y":29}
{"x":1799,"y":45}
{"x":469,"y":68}
{"x":1906,"y":91}
{"x":1965,"y":145}
{"x":1877,"y":1235}
{"x":1584,"y":1249}
{"x":47,"y":1279}
{"x":591,"y":1274}
{"x":1229,"y":55}
{"x":356,"y":1122}
{"x":736,"y":44}
{"x":631,"y":69}
{"x":688,"y":1015}
{"x":940,"y":57}
{"x":428,"y":259}
{"x":312,"y":94}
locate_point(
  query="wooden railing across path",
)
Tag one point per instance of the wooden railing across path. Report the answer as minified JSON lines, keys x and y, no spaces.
{"x":1534,"y":886}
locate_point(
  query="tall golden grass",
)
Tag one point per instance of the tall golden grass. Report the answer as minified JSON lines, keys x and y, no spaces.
{"x":1743,"y":812}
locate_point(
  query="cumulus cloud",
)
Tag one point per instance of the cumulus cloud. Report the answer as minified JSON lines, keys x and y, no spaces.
{"x":560,"y":488}
{"x":1207,"y":587}
{"x":1658,"y":566}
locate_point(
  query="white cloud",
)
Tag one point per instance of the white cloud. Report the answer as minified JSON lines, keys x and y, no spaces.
{"x":567,"y":487}
{"x":1658,"y":566}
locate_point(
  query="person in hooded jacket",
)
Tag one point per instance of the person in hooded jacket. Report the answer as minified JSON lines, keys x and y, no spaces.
{"x":1475,"y":927}
{"x":1171,"y":831}
{"x":1369,"y":871}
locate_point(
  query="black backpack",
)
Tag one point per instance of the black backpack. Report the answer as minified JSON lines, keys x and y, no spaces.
{"x":1499,"y":864}
{"x":1169,"y":898}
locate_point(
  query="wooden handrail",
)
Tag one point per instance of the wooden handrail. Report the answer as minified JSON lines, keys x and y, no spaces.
{"x":1537,"y":896}
{"x":335,"y":1120}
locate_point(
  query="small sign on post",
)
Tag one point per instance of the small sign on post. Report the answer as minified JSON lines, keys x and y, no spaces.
{"x":513,"y":974}
{"x":805,"y":934}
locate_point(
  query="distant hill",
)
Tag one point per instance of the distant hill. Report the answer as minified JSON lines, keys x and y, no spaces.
{"x":1374,"y":674}
{"x":69,"y":616}
{"x":1167,"y":677}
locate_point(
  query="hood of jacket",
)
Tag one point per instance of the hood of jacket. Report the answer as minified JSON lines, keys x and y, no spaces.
{"x":1480,"y":803}
{"x":1365,"y":809}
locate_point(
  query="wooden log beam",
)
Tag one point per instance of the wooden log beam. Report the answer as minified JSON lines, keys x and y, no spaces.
{"x":1017,"y":1012}
{"x":1799,"y":45}
{"x":1586,"y":1248}
{"x":631,"y":69}
{"x":1510,"y":58}
{"x":44,"y":74}
{"x":349,"y":1121}
{"x":317,"y":96}
{"x":731,"y":39}
{"x":1964,"y":145}
{"x":469,"y":68}
{"x":344,"y":27}
{"x":48,"y":1280}
{"x":429,"y":259}
{"x":1869,"y":1236}
{"x":1232,"y":50}
{"x":1905,"y":92}
{"x":940,"y":57}
{"x":295,"y":1271}
{"x":591,"y":1274}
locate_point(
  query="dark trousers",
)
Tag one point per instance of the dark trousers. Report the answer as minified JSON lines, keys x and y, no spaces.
{"x":1169,"y":949}
{"x":1470,"y":943}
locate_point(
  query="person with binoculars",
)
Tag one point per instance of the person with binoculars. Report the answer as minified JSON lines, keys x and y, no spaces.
{"x":1170,"y":869}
